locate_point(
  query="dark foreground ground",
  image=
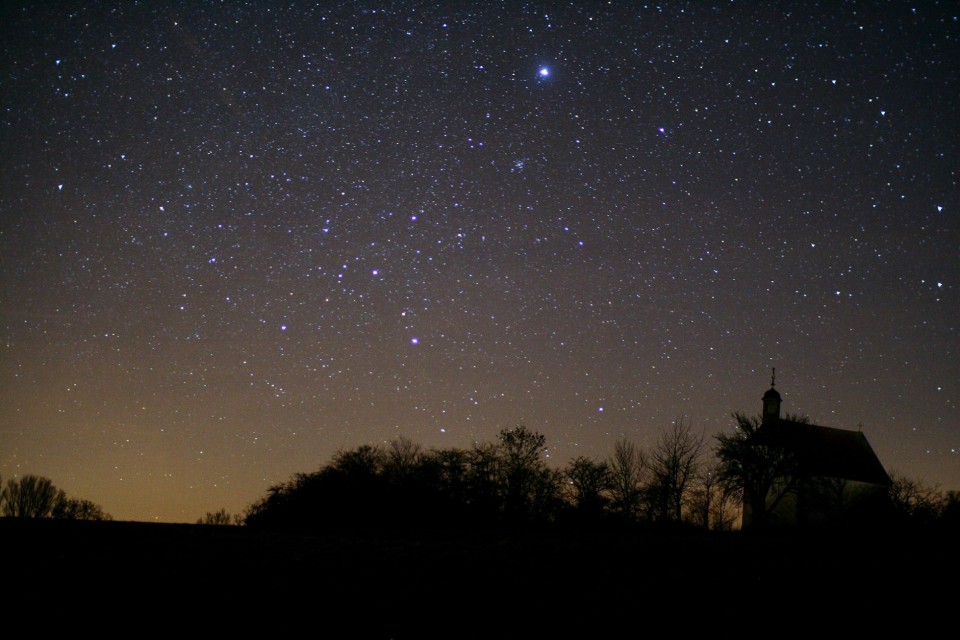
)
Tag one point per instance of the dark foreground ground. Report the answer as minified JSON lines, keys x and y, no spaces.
{"x":126,"y":578}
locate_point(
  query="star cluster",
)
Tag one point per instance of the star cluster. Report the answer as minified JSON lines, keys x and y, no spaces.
{"x":238,"y":237}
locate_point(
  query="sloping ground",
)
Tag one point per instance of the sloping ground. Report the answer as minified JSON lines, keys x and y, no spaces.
{"x":134,"y":578}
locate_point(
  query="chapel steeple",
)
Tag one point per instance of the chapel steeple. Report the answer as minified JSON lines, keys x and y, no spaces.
{"x":771,"y":402}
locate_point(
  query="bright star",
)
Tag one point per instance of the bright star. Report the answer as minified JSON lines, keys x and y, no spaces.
{"x":544,"y":72}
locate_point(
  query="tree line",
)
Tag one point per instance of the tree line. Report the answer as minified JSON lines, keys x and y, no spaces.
{"x":680,"y":481}
{"x":33,"y":496}
{"x":507,"y":482}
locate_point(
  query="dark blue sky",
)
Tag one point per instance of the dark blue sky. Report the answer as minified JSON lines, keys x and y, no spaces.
{"x":238,"y":237}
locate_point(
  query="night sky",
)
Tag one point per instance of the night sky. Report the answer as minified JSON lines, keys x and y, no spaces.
{"x":238,"y":237}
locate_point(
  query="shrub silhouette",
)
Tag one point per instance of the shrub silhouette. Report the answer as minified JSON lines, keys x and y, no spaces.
{"x":402,"y":486}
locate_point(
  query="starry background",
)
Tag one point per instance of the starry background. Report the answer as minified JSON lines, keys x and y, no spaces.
{"x":237,"y":237}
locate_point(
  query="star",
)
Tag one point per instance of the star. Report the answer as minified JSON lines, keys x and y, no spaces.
{"x":647,"y":224}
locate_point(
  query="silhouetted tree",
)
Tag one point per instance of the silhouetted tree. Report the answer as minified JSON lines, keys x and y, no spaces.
{"x":36,"y":497}
{"x":629,"y":473}
{"x":529,"y":489}
{"x":352,"y":490}
{"x":674,"y":463}
{"x":450,"y":469}
{"x":365,"y":461}
{"x":950,"y":513}
{"x":758,"y":475}
{"x":369,"y":486}
{"x":402,"y":455}
{"x":272,"y":510}
{"x":548,"y":495}
{"x":914,"y":501}
{"x":419,"y":485}
{"x":77,"y":509}
{"x":30,"y":497}
{"x":484,"y":497}
{"x":218,"y":518}
{"x":588,"y":482}
{"x":711,"y":502}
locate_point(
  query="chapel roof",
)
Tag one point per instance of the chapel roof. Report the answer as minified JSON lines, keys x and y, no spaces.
{"x":826,"y":451}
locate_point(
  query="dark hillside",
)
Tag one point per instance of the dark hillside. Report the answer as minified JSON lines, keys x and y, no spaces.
{"x":457,"y":585}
